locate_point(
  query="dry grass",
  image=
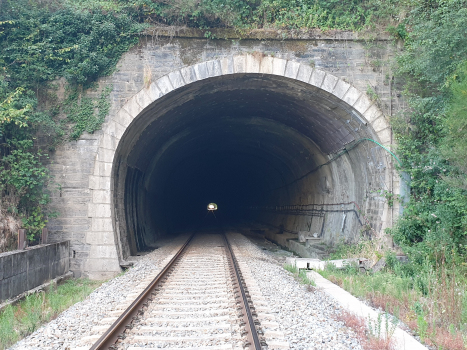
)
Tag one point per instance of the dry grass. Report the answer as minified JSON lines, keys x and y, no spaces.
{"x":9,"y":225}
{"x":439,"y":318}
{"x":147,"y":76}
{"x":368,"y":340}
{"x":430,"y":299}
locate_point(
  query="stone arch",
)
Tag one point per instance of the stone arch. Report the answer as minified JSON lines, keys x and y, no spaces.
{"x":105,"y":253}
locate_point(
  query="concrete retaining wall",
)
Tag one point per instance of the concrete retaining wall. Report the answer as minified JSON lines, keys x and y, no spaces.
{"x":23,"y":270}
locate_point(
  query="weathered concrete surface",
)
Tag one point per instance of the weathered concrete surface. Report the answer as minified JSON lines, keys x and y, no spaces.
{"x":41,"y":288}
{"x":22,"y":270}
{"x":337,"y":70}
{"x":317,"y":264}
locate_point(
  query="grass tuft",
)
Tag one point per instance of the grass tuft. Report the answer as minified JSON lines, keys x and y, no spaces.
{"x":19,"y":320}
{"x":370,"y":336}
{"x":431,"y":300}
{"x":300,"y":275}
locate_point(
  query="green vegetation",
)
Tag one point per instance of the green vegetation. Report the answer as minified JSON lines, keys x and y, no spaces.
{"x":431,"y":137}
{"x":299,"y":275}
{"x":247,"y":14}
{"x":41,"y":42}
{"x":23,"y":318}
{"x":429,"y":299}
{"x":429,"y":293}
{"x":79,"y":41}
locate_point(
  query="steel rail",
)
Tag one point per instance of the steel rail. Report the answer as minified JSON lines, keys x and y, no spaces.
{"x":110,"y":337}
{"x":252,"y":334}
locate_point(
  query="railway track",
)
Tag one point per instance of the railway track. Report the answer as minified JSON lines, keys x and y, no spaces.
{"x":198,"y":301}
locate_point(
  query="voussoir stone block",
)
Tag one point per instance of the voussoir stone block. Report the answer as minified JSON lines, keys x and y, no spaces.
{"x":227,"y":65}
{"x":164,"y":84}
{"x":385,"y":136}
{"x":99,"y":210}
{"x":214,"y":68}
{"x":114,"y":129}
{"x":105,"y":155}
{"x":132,"y":107}
{"x":329,"y":83}
{"x":176,"y":79}
{"x":99,"y":182}
{"x":101,"y":196}
{"x":188,"y":74}
{"x":291,"y":69}
{"x":304,"y":73}
{"x":154,"y":92}
{"x":266,"y":65}
{"x":278,"y":66}
{"x":143,"y":99}
{"x":372,"y":113}
{"x":102,"y":168}
{"x":351,"y":96}
{"x":239,"y":64}
{"x":317,"y":77}
{"x":253,"y":63}
{"x":109,"y":141}
{"x":123,"y":118}
{"x":201,"y":71}
{"x":362,"y":104}
{"x":341,"y":89}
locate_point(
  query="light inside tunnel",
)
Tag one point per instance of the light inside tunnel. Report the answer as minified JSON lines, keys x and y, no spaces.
{"x":241,"y":141}
{"x":212,"y":206}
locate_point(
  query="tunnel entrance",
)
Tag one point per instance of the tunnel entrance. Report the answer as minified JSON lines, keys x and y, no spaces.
{"x":252,"y":143}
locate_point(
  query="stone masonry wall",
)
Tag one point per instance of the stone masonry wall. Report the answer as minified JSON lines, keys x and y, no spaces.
{"x":357,"y":61}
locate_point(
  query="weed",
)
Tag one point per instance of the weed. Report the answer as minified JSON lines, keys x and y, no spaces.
{"x":370,"y":91}
{"x":304,"y":279}
{"x":367,"y":337}
{"x":431,"y":301}
{"x":22,"y":319}
{"x":300,"y":275}
{"x":376,"y":329}
{"x":291,"y":268}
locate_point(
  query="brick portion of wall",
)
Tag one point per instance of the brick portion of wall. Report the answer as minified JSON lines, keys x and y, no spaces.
{"x":23,"y":270}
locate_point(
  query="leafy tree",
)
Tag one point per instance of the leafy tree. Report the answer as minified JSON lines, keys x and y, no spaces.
{"x":430,"y":134}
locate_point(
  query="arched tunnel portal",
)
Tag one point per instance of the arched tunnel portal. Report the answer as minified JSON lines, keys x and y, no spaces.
{"x":255,"y":144}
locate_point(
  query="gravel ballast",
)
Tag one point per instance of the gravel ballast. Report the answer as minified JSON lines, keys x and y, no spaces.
{"x":304,"y":316}
{"x":69,"y":329}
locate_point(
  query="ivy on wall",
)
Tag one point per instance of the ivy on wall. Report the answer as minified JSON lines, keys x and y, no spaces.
{"x":86,"y":114}
{"x":41,"y":42}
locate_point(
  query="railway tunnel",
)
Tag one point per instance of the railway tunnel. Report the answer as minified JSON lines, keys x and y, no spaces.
{"x":254,"y":144}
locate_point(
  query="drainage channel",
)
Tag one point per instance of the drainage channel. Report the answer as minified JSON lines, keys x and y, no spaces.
{"x":198,"y":301}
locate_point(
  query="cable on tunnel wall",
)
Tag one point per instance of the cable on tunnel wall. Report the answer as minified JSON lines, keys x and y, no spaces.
{"x":302,"y":209}
{"x":346,"y":150}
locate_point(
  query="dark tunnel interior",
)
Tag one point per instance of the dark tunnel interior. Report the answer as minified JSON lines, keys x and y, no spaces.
{"x":241,"y":140}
